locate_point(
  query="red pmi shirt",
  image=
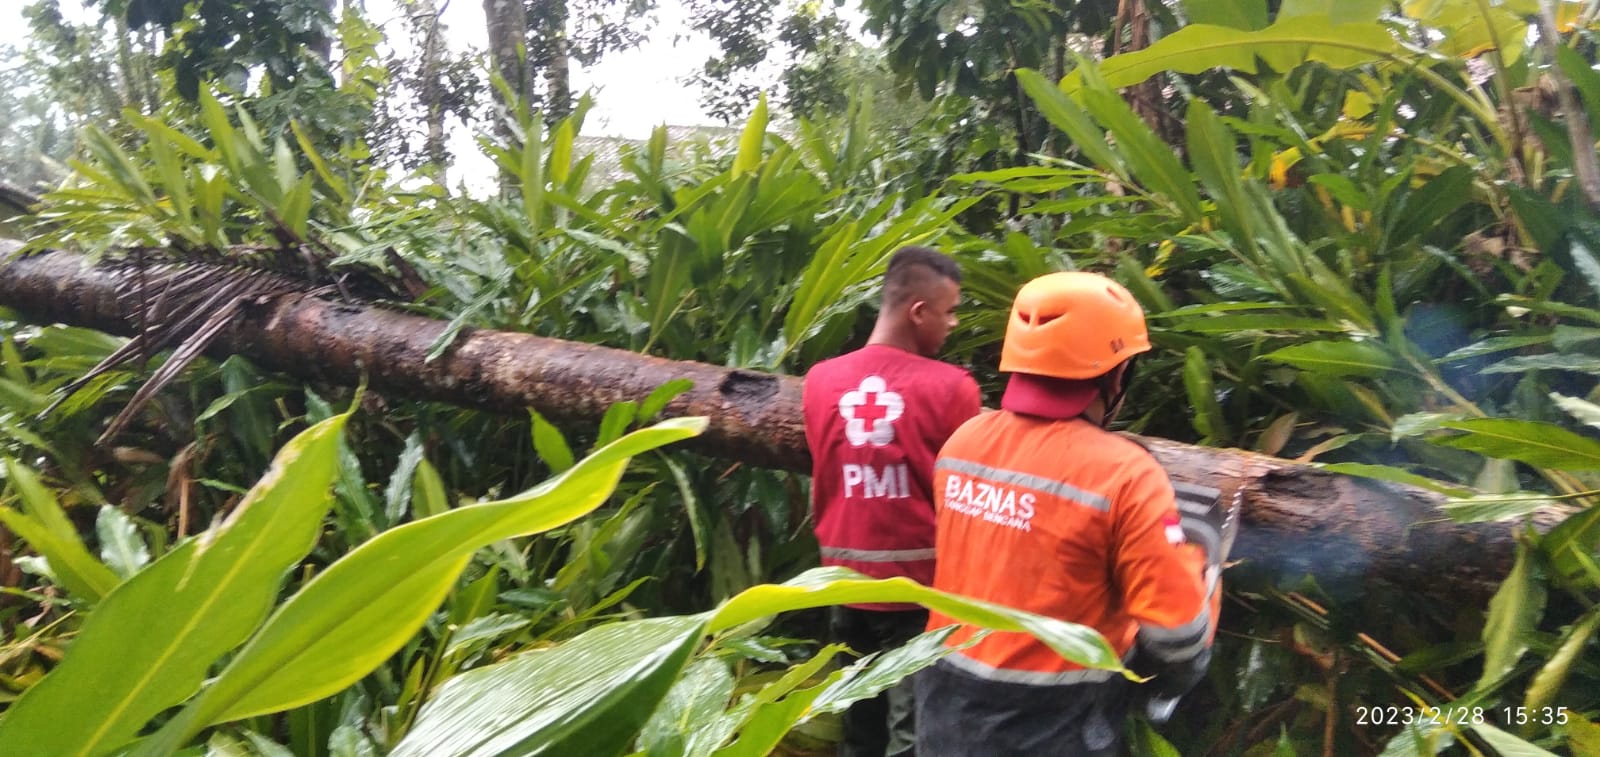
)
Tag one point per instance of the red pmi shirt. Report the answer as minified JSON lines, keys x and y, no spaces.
{"x":875,"y":420}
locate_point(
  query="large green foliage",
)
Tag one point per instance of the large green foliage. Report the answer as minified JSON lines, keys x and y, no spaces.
{"x":592,"y":694}
{"x":1351,"y":253}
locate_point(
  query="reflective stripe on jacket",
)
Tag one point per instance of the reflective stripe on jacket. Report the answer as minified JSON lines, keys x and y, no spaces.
{"x":1064,"y":519}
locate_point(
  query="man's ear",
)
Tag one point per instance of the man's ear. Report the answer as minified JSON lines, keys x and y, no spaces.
{"x":917,"y":310}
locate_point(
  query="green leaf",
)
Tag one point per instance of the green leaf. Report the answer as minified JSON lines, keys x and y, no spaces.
{"x":616,"y":421}
{"x":1484,"y":508}
{"x":1148,"y":743}
{"x":1507,"y":745}
{"x":1546,"y":222}
{"x":870,"y":676}
{"x":1577,"y":363}
{"x":1580,"y":71}
{"x":1283,"y":46}
{"x":284,"y":168}
{"x":1550,"y":679}
{"x":559,"y":166}
{"x":1215,"y":159}
{"x":1570,"y":547}
{"x":485,"y":628}
{"x":548,"y":442}
{"x":1491,"y":346}
{"x":1343,"y":189}
{"x":1395,"y":475}
{"x":822,"y":587}
{"x":1545,"y":445}
{"x":365,"y":607}
{"x":1514,"y":614}
{"x":591,"y":695}
{"x":191,"y":606}
{"x":661,"y":396}
{"x":223,"y":403}
{"x":1208,"y":418}
{"x":397,"y":495}
{"x":1147,"y":155}
{"x":751,"y":140}
{"x":1573,"y":338}
{"x":308,"y":149}
{"x":1249,"y":325}
{"x":685,"y":716}
{"x":1586,"y":413}
{"x":428,"y":497}
{"x":1578,"y":255}
{"x":1417,"y":739}
{"x":1067,"y":116}
{"x":698,"y":526}
{"x":1425,"y":207}
{"x":761,"y":721}
{"x":1417,"y":424}
{"x":1365,"y":359}
{"x":532,"y":176}
{"x":11,"y":359}
{"x":121,"y":547}
{"x":1336,"y":11}
{"x":1583,"y":736}
{"x":1238,"y":14}
{"x":44,"y":525}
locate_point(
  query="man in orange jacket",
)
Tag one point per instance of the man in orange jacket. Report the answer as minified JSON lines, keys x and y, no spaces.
{"x":1040,"y":508}
{"x":874,"y":420}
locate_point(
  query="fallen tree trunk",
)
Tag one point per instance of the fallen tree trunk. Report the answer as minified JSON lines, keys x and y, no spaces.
{"x":1295,"y":520}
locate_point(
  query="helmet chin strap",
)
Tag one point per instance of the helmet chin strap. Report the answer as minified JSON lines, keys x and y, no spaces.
{"x":1113,"y":405}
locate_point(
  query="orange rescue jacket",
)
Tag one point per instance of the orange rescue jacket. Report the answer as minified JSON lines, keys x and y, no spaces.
{"x":1064,"y":519}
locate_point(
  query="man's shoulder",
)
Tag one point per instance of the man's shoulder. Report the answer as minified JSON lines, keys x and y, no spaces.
{"x":939,"y":370}
{"x":834,"y":365}
{"x":899,"y":365}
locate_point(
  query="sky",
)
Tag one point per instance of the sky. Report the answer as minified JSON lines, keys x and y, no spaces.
{"x":635,"y":89}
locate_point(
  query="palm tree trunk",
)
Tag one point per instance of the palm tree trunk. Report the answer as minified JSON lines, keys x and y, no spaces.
{"x":1294,"y":519}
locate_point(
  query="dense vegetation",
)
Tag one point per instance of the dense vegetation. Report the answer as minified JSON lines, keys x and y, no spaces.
{"x":1365,"y":232}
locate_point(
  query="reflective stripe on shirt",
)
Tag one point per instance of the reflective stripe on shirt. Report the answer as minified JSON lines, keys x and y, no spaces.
{"x":1029,"y":677}
{"x":1028,"y":480}
{"x":1177,"y":644}
{"x":878,"y":555}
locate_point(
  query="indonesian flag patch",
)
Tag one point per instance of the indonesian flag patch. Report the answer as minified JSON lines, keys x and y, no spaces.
{"x":1174,"y":529}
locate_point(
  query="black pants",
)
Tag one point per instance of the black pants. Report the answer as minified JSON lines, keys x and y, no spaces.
{"x":882,"y":726}
{"x":961,"y":715}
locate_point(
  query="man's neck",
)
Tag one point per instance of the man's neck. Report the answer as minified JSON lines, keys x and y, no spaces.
{"x":886,"y":335}
{"x":1095,"y":413}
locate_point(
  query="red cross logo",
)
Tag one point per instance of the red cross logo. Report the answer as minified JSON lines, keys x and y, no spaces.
{"x":870,"y":411}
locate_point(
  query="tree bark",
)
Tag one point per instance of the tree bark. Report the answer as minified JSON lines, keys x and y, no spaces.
{"x":549,"y":21}
{"x":507,"y":24}
{"x":426,"y":24}
{"x":1585,"y":164}
{"x":1352,"y":535}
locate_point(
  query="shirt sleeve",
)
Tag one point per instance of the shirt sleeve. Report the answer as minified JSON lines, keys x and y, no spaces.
{"x":1159,"y":575}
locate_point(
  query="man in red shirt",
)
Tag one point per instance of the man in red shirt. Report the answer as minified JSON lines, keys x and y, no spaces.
{"x":875,"y":419}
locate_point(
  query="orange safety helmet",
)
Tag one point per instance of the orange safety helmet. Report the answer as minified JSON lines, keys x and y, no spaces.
{"x":1072,"y":325}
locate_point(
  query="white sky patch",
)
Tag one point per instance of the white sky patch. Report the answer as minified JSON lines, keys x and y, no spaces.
{"x":635,"y":90}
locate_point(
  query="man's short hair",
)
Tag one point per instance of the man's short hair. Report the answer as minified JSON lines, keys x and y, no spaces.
{"x":912,"y":269}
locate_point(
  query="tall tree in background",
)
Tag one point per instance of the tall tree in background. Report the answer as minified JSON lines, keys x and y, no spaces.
{"x":533,"y":44}
{"x":507,"y":24}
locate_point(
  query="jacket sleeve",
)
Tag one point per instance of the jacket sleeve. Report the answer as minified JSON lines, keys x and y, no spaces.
{"x":1161,"y":580}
